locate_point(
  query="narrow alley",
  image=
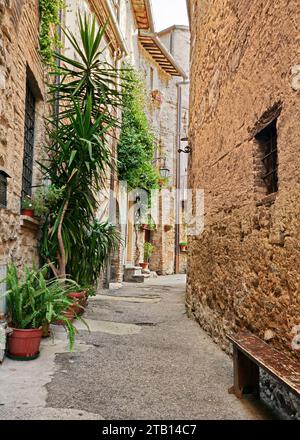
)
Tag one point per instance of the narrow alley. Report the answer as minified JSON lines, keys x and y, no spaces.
{"x":143,"y":359}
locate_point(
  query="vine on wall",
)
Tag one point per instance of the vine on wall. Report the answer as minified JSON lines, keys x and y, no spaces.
{"x":49,"y":19}
{"x":136,"y":145}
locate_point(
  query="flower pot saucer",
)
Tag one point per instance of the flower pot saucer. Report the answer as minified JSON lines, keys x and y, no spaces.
{"x":22,"y":358}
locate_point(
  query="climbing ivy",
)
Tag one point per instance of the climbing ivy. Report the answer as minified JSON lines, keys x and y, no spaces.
{"x":49,"y":19}
{"x":136,"y":144}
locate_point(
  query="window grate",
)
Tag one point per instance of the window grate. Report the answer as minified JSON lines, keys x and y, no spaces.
{"x":3,"y":189}
{"x":28,"y":142}
{"x":267,"y":140}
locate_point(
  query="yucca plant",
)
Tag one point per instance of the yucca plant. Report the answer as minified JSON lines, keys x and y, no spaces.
{"x":79,"y":153}
{"x":33,"y":300}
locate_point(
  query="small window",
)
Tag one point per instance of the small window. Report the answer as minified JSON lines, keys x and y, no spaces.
{"x":3,"y":189}
{"x":267,"y":141}
{"x":28,"y":141}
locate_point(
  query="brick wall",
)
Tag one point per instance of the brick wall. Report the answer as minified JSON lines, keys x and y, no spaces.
{"x":244,"y":269}
{"x":19,"y":27}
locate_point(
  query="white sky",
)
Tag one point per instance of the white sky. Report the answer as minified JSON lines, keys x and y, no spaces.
{"x":169,"y":12}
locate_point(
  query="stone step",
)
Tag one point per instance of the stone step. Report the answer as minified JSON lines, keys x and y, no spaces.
{"x":140,"y":278}
{"x":130,"y":272}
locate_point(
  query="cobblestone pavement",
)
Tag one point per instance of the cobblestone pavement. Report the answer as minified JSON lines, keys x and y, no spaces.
{"x":143,"y":359}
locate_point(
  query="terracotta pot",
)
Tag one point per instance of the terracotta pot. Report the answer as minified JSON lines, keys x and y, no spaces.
{"x":144,"y":265}
{"x":183,"y":248}
{"x":69,"y":314}
{"x":167,"y":228}
{"x":24,"y":344}
{"x":80,"y":298}
{"x":28,"y":212}
{"x":80,"y":301}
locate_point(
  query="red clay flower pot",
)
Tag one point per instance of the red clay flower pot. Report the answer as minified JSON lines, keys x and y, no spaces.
{"x":24,"y":344}
{"x":79,"y":298}
{"x":144,"y":265}
{"x":69,"y":314}
{"x":28,"y":212}
{"x":80,"y":301}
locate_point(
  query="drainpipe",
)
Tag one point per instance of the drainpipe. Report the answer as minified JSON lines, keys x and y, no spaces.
{"x":178,"y":174}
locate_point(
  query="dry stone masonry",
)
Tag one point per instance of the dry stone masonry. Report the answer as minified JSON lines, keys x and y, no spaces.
{"x":244,"y":269}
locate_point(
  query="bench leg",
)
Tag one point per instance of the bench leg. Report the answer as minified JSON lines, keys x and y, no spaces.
{"x":246,"y":375}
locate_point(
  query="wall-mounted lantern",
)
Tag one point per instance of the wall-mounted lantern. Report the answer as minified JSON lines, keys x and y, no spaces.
{"x":187,"y":149}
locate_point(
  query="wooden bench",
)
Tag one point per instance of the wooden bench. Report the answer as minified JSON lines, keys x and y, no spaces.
{"x":250,"y":353}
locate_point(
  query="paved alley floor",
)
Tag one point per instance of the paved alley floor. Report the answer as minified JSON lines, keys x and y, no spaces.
{"x":143,"y":359}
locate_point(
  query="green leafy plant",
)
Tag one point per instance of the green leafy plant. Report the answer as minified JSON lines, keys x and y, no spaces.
{"x":45,"y":198}
{"x":136,"y":145}
{"x":148,"y":251}
{"x":49,"y":20}
{"x":150,"y":225}
{"x":100,"y":240}
{"x":79,"y":153}
{"x":183,"y":243}
{"x":27,"y":203}
{"x":33,"y":300}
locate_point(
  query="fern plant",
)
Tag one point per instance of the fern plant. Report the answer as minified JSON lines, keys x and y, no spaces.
{"x":33,"y":300}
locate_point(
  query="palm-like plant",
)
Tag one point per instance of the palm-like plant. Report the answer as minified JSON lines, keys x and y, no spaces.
{"x":79,"y":151}
{"x":100,"y":239}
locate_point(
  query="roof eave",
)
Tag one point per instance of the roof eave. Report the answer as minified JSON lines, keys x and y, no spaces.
{"x":165,"y":52}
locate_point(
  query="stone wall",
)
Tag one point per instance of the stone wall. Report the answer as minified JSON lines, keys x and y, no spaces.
{"x":19,"y":59}
{"x":244,"y":270}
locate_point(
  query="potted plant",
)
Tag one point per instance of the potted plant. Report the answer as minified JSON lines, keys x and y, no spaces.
{"x":150,"y":226}
{"x":183,"y":246}
{"x":148,"y":251}
{"x":78,"y":155}
{"x":33,"y":301}
{"x":27,"y":207}
{"x":45,"y":198}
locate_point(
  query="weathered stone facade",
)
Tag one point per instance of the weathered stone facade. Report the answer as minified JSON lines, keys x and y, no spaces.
{"x":163,"y":119}
{"x":20,"y":62}
{"x":244,"y":269}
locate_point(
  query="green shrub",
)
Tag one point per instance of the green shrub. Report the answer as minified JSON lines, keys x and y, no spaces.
{"x":33,"y":300}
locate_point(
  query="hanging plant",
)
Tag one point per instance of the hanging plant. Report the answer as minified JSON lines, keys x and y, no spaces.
{"x":49,"y":19}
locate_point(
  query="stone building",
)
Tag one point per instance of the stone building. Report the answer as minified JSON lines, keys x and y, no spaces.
{"x":244,"y":269}
{"x":130,"y":37}
{"x":22,"y":106}
{"x":163,"y":60}
{"x":130,"y":32}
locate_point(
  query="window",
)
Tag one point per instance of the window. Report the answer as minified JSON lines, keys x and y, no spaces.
{"x":28,"y":141}
{"x":3,"y":189}
{"x":267,"y":141}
